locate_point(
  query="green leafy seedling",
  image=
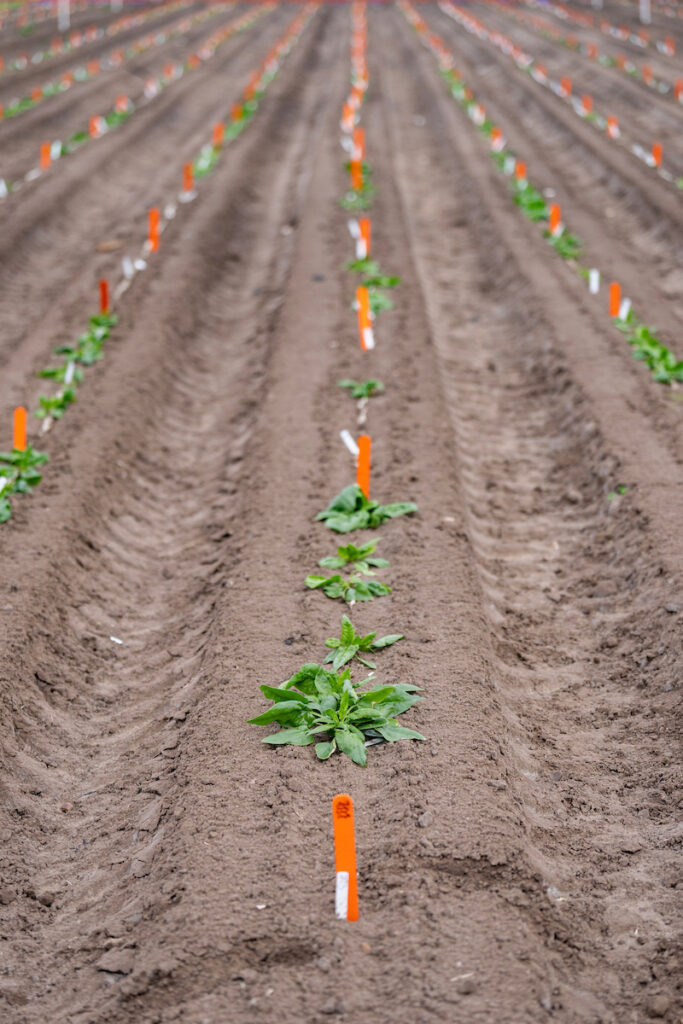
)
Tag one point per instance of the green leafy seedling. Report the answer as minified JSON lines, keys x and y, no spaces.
{"x":360,"y":199}
{"x":530,"y":200}
{"x":565,"y":245}
{"x":355,"y":588}
{"x":18,"y":475}
{"x":59,"y":373}
{"x":350,"y":645}
{"x":365,"y":266}
{"x":56,"y":405}
{"x":351,"y":510}
{"x":362,"y":389}
{"x":316,"y":704}
{"x":378,"y":301}
{"x":649,"y":349}
{"x":358,"y":558}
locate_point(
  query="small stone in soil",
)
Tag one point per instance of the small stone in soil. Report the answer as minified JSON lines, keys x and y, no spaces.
{"x":465,"y":986}
{"x":658,"y":1006}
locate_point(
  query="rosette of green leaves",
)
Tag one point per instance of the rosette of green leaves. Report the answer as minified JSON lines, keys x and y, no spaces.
{"x":316,"y":704}
{"x":351,"y":510}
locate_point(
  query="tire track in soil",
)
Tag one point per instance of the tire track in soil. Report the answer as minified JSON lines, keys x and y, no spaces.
{"x":52,"y":236}
{"x":574,"y":592}
{"x":22,"y":82}
{"x":622,"y":234}
{"x":150,"y":577}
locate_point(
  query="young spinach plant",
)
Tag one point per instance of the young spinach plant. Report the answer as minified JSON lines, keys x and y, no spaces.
{"x":362,"y":389}
{"x":375,"y":282}
{"x":18,"y":475}
{"x":316,"y":703}
{"x":350,"y":645}
{"x":360,"y":559}
{"x":355,"y":588}
{"x":351,"y":510}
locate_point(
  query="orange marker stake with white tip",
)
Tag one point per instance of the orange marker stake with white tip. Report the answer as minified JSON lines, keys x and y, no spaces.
{"x":19,"y":424}
{"x":566,"y":84}
{"x":555,"y":220}
{"x":367,"y":340}
{"x":356,"y":175}
{"x":363,"y":465}
{"x":614,"y":299}
{"x":363,"y":243}
{"x":359,"y":144}
{"x":188,"y":178}
{"x":154,"y":229}
{"x":520,"y":173}
{"x":217,"y":135}
{"x":657,"y":154}
{"x":104,"y":297}
{"x":613,"y":127}
{"x":587,"y":104}
{"x":346,"y":892}
{"x":45,"y":158}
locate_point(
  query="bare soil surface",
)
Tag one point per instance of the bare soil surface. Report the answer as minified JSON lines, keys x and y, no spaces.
{"x":523,"y":864}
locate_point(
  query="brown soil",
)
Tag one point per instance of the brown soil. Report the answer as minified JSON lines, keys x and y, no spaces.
{"x":158,"y":862}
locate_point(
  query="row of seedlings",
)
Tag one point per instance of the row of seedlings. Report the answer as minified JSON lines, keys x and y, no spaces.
{"x":115,"y":59}
{"x":583,"y":106}
{"x":73,"y":40}
{"x":21,"y":468}
{"x":124,"y":108}
{"x":641,"y":73}
{"x":646,"y":346}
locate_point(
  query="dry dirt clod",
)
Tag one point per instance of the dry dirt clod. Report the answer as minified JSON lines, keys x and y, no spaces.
{"x":7,"y":895}
{"x":658,"y":1006}
{"x":117,"y":961}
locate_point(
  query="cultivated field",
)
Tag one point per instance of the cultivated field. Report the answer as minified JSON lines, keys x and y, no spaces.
{"x":211,"y":214}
